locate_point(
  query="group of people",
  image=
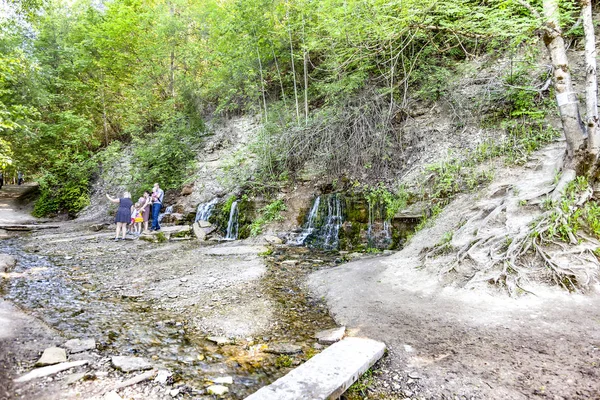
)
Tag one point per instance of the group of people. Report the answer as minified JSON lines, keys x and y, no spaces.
{"x":131,"y":216}
{"x":20,"y":178}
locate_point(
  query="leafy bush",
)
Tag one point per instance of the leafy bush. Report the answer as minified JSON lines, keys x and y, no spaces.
{"x":166,"y":156}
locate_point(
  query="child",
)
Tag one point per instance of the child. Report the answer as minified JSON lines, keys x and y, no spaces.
{"x":136,"y":218}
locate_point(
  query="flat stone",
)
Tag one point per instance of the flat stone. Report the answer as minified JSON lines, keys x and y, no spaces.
{"x":330,"y":336}
{"x":174,"y":392}
{"x":7,"y":262}
{"x":289,"y":262}
{"x":199,"y":232}
{"x":217,"y":390}
{"x":273,"y":239}
{"x":129,"y":364}
{"x":204,"y":224}
{"x":220,"y":340}
{"x":112,"y":396}
{"x":51,"y":356}
{"x":80,"y":345}
{"x":71,"y":379}
{"x":283,"y":348}
{"x":224,"y":380}
{"x":162,"y":376}
{"x":326,"y":375}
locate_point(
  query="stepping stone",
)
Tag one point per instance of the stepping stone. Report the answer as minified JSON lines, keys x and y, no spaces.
{"x":78,"y":345}
{"x":129,"y":364}
{"x":330,"y":336}
{"x":51,"y":356}
{"x":283,"y":348}
{"x":326,"y":375}
{"x":218,"y":390}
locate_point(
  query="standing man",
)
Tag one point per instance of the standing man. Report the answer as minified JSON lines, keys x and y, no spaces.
{"x":19,"y":178}
{"x":157,"y":199}
{"x":1,"y":179}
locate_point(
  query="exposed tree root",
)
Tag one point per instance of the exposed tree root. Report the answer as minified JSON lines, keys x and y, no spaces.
{"x":511,"y":258}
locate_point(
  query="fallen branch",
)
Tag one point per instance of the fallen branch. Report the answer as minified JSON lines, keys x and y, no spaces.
{"x":50,"y":370}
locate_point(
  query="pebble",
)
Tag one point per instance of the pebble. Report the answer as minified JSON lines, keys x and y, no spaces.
{"x":162,"y":376}
{"x":184,"y":279}
{"x":112,"y":396}
{"x":217,"y":390}
{"x":174,"y":392}
{"x":220,"y":340}
{"x":224,"y":380}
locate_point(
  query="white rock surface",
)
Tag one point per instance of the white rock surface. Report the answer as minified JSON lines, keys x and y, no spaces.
{"x":7,"y":262}
{"x":112,"y":396}
{"x":331,"y":336}
{"x":162,"y":376}
{"x":129,"y":364}
{"x":218,"y":390}
{"x":80,"y":345}
{"x":224,"y":380}
{"x":327,"y":375}
{"x":220,"y":340}
{"x":51,"y":356}
{"x":50,"y":370}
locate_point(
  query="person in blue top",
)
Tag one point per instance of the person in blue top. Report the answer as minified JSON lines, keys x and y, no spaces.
{"x":123,"y":213}
{"x":157,"y":199}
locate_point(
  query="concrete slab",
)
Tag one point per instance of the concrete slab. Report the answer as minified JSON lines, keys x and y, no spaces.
{"x":328,"y":374}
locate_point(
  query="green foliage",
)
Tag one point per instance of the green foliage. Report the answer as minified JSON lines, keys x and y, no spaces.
{"x":284,"y":361}
{"x":269,"y":213}
{"x":359,"y":389}
{"x":167,"y":156}
{"x":392,"y":202}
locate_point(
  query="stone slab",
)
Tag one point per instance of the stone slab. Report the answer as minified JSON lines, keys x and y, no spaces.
{"x":51,"y":356}
{"x":328,"y":374}
{"x":80,"y":345}
{"x":331,"y":336}
{"x":130,"y":364}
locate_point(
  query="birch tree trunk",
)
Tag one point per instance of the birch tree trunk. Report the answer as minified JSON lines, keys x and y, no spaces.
{"x":566,"y":98}
{"x":591,"y":83}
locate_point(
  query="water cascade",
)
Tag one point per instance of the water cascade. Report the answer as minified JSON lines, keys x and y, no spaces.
{"x":333,"y":223}
{"x":379,"y":229}
{"x":232,"y":225}
{"x":168,"y":211}
{"x":309,"y":226}
{"x":205,"y":210}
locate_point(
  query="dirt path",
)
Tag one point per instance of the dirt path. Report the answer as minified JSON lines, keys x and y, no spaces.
{"x":450,"y":337}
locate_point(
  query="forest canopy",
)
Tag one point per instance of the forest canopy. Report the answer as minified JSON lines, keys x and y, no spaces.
{"x":78,"y":76}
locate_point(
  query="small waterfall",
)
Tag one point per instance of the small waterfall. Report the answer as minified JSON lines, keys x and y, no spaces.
{"x":205,"y":210}
{"x":168,"y":211}
{"x":333,"y":223}
{"x":379,"y":230}
{"x":309,"y":226}
{"x":232,"y":225}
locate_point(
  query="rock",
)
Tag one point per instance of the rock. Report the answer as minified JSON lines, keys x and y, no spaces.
{"x":199,"y":232}
{"x":4,"y":234}
{"x":183,"y":280}
{"x":112,"y":396}
{"x":217,"y":390}
{"x":289,"y":262}
{"x":7,"y":262}
{"x":79,"y":345}
{"x":162,"y":376}
{"x":283,"y":348}
{"x":273,"y":239}
{"x":50,"y":370}
{"x":174,"y":392}
{"x":318,"y":346}
{"x":220,"y":340}
{"x":71,"y":379}
{"x":51,"y":356}
{"x":187,"y":190}
{"x":96,"y":227}
{"x":129,"y":364}
{"x":204,"y":224}
{"x":224,"y":380}
{"x":330,"y":336}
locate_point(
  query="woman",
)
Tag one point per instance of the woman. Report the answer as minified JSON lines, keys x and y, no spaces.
{"x":146,"y":202}
{"x":123,"y":213}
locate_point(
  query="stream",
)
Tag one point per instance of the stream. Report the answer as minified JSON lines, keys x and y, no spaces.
{"x":74,"y":301}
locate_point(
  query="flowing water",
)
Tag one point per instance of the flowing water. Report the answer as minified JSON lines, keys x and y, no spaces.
{"x":322,"y":227}
{"x":233,"y":225}
{"x":74,"y":301}
{"x":205,"y":210}
{"x":309,"y":226}
{"x":168,"y":211}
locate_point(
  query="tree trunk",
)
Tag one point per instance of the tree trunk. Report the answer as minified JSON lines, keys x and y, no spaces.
{"x":262,"y":84}
{"x":294,"y":76}
{"x":591,"y":83}
{"x":566,"y":98}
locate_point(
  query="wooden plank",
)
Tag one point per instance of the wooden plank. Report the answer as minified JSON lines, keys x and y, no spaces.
{"x":328,"y":374}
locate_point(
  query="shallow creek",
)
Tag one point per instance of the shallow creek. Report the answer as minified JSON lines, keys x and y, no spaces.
{"x":74,"y":304}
